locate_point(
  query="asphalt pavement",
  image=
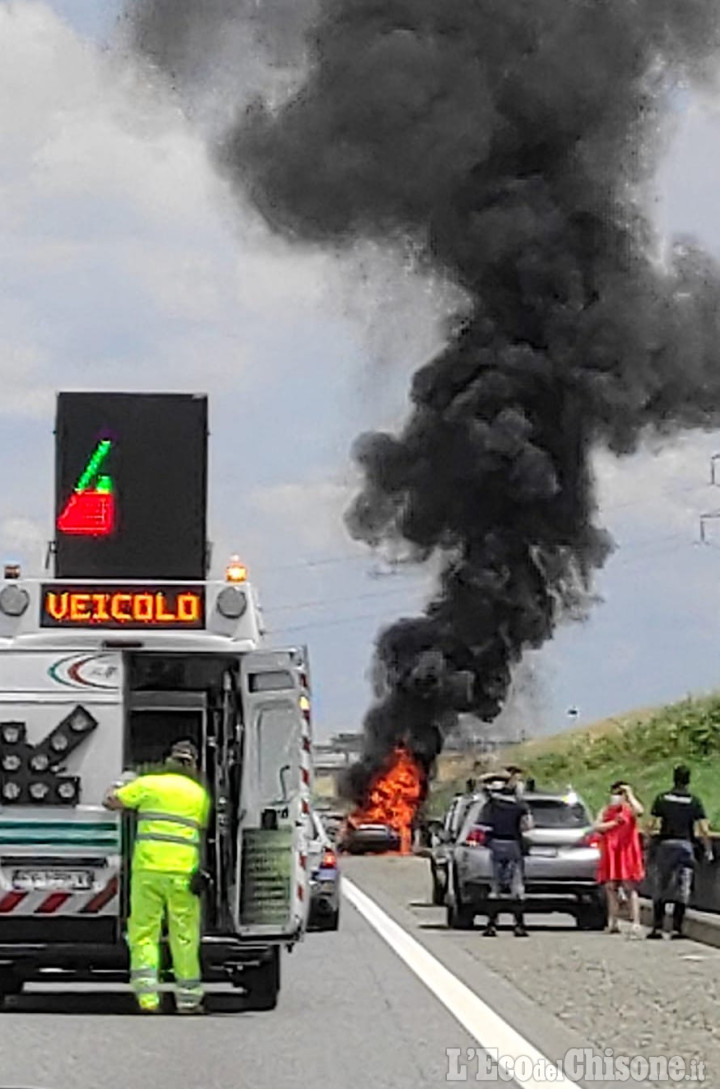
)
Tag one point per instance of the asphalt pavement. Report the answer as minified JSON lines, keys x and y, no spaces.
{"x":353,"y":1014}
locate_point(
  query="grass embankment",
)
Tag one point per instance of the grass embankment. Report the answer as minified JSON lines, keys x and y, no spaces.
{"x":642,"y":747}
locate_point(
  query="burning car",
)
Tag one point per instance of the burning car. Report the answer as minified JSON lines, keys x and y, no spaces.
{"x":369,"y":837}
{"x":385,"y":822}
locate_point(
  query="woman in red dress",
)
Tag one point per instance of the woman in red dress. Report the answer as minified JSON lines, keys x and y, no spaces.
{"x":621,"y":855}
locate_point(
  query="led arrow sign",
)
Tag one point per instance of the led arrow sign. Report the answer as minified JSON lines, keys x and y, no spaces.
{"x":90,"y":510}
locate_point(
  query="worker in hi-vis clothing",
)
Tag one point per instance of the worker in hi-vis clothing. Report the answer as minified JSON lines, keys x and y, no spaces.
{"x":173,"y":810}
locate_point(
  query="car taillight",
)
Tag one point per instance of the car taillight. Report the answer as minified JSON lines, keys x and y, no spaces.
{"x":476,"y":837}
{"x":329,"y":860}
{"x":592,"y":839}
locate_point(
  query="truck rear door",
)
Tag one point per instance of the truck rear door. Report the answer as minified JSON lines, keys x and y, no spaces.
{"x":60,"y":749}
{"x":276,"y":783}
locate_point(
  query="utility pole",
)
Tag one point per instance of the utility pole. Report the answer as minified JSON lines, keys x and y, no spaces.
{"x":710,"y":516}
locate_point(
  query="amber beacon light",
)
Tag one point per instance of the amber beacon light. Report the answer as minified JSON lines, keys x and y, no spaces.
{"x":236,"y":571}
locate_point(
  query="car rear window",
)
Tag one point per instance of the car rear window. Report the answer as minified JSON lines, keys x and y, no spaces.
{"x":557,"y":814}
{"x":546,"y":813}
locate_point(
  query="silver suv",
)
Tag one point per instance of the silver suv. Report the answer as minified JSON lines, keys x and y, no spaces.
{"x":561,"y":862}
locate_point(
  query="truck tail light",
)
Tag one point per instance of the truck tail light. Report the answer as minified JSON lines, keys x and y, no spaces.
{"x":329,"y":860}
{"x":476,"y":837}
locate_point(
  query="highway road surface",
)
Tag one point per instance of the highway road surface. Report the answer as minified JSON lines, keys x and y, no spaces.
{"x":394,"y":1000}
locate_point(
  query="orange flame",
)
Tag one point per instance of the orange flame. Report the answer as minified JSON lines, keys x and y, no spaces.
{"x":394,"y":797}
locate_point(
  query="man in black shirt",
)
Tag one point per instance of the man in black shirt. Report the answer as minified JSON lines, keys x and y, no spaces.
{"x":506,"y":818}
{"x":675,"y":816}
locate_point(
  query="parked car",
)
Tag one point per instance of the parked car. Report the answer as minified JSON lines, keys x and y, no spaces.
{"x":324,"y":874}
{"x":561,"y":861}
{"x":332,"y":822}
{"x":442,"y":841}
{"x":358,"y":839}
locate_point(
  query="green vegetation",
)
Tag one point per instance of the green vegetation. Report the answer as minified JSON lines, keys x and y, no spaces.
{"x":642,"y":748}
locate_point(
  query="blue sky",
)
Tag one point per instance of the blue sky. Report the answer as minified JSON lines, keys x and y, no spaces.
{"x":125,"y":264}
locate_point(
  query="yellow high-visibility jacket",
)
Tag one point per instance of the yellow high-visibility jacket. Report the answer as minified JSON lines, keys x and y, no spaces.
{"x":173,"y":811}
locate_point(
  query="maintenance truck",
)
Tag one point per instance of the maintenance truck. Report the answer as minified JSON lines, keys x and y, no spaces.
{"x":97,"y":679}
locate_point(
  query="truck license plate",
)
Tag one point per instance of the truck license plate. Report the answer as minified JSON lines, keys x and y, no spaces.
{"x":52,"y":880}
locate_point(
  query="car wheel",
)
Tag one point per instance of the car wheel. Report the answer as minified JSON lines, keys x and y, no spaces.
{"x":10,"y":985}
{"x":438,"y":888}
{"x":592,"y":916}
{"x":263,"y":983}
{"x":333,"y":921}
{"x":460,"y":917}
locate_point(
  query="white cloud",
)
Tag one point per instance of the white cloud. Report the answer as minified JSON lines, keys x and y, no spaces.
{"x":121,"y":254}
{"x":309,"y":512}
{"x":25,"y":538}
{"x":665,"y":489}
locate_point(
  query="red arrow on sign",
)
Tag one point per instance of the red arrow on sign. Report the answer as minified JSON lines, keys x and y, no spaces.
{"x":89,"y":513}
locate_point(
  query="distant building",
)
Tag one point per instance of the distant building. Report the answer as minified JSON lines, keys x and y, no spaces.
{"x":333,"y":756}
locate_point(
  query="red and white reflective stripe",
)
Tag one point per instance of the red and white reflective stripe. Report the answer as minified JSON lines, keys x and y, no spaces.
{"x":305,"y":789}
{"x":52,"y":903}
{"x":10,"y":901}
{"x":102,"y":898}
{"x":97,"y":902}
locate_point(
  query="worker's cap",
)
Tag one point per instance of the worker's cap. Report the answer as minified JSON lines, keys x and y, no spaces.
{"x":185,"y":752}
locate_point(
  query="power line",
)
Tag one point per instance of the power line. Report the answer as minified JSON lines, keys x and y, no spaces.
{"x":625,"y":556}
{"x":312,"y":624}
{"x":322,"y":603}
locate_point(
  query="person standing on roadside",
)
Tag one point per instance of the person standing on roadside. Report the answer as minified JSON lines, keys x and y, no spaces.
{"x":675,"y":818}
{"x":506,"y":818}
{"x":621,"y":867}
{"x":516,"y":779}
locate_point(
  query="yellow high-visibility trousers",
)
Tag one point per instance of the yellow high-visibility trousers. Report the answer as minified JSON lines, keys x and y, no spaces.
{"x":154,"y":895}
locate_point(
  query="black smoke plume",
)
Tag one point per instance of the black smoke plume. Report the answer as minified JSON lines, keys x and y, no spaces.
{"x":512,"y":143}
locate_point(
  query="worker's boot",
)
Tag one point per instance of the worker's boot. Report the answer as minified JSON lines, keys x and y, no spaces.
{"x":188,"y":1003}
{"x":195,"y":1010}
{"x":148,"y":1003}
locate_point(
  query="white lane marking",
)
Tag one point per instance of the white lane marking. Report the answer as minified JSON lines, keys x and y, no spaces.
{"x":486,"y":1026}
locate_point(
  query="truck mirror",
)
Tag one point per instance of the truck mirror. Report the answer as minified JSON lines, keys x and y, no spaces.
{"x":282,"y":773}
